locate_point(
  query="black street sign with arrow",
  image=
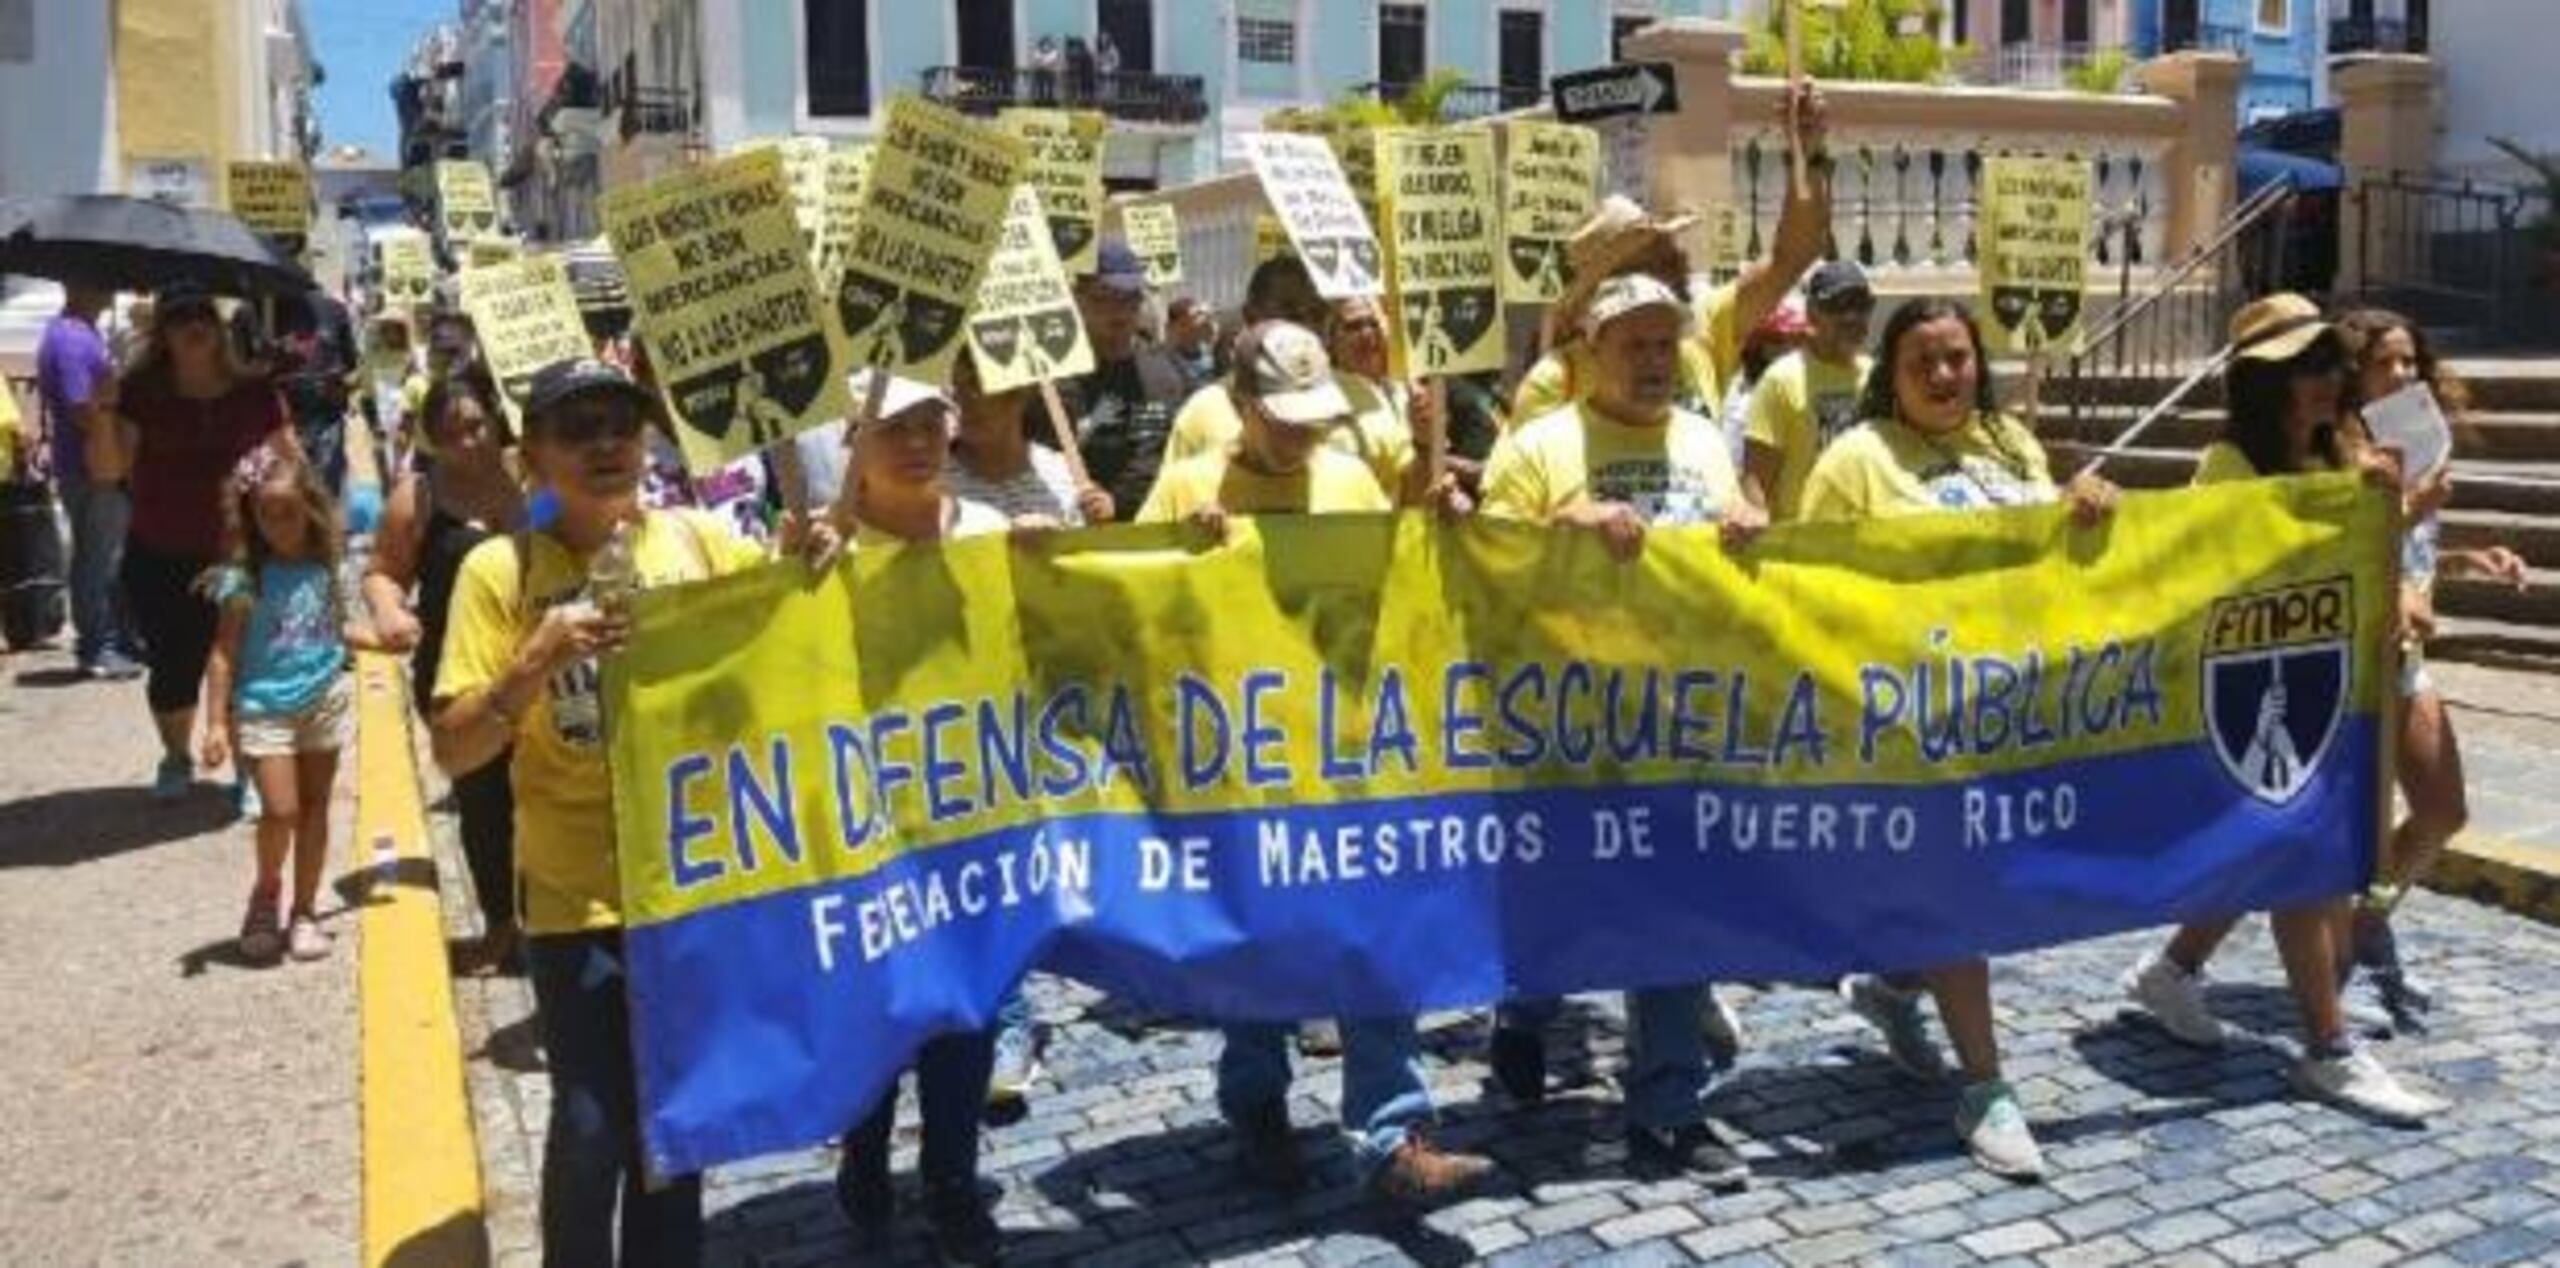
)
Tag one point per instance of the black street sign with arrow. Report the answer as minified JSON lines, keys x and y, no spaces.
{"x":1614,"y":92}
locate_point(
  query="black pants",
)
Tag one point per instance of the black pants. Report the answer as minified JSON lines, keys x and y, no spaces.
{"x":485,"y":800}
{"x":175,"y":621}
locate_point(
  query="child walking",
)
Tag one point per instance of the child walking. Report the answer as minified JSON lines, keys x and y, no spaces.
{"x":274,"y":679}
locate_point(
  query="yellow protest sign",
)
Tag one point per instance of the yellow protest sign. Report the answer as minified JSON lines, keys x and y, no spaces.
{"x":848,"y":166}
{"x":466,"y":203}
{"x":1025,"y":327}
{"x":1724,"y":239}
{"x":271,"y":198}
{"x":1155,"y":234}
{"x":526,"y":317}
{"x":1062,"y":158}
{"x":2034,"y":250}
{"x":722,"y":292}
{"x":495,"y":249}
{"x":1548,"y":173}
{"x":804,"y":170}
{"x":1303,"y":182}
{"x":408,"y":269}
{"x":1444,"y":240}
{"x":931,"y":210}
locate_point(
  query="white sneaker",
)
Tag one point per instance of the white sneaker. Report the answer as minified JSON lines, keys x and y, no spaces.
{"x":1897,"y":1014}
{"x":2175,"y":999}
{"x":2358,"y":1082}
{"x":1722,"y":1029}
{"x":1995,"y":1132}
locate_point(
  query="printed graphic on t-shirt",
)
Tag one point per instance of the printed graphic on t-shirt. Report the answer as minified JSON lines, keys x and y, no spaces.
{"x":304,"y":623}
{"x":1833,"y":413}
{"x":1665,"y":493}
{"x":1972,"y":484}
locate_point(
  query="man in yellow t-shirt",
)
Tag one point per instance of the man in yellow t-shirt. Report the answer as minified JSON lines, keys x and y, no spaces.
{"x":1809,"y":397}
{"x":1620,"y":462}
{"x":1287,"y":399}
{"x":1277,"y":459}
{"x":1620,"y":238}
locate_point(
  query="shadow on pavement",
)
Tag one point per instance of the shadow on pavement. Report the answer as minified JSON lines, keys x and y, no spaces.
{"x":59,"y":677}
{"x":1126,"y":1186}
{"x":224,"y":952}
{"x":515,"y":1047}
{"x":78,"y":825}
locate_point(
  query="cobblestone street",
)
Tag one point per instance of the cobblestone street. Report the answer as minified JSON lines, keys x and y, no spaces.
{"x":2158,"y":1152}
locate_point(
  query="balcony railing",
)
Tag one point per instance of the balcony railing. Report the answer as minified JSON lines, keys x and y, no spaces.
{"x":1129,"y":96}
{"x":657,"y":112}
{"x":2046,"y":66}
{"x":2207,"y":38}
{"x":2376,"y":35}
{"x":1464,"y":102}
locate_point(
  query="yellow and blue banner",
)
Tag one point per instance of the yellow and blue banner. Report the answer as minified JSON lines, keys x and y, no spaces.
{"x":1357,"y":765}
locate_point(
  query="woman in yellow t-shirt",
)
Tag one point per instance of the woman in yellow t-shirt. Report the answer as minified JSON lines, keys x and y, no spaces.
{"x":894,"y":495}
{"x":530,"y":615}
{"x":2285,"y":392}
{"x":1934,"y":441}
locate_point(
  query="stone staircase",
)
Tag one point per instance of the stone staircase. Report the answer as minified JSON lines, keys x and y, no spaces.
{"x":2506,"y":489}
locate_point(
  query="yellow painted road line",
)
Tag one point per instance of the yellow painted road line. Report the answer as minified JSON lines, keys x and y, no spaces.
{"x":2498,"y":872}
{"x":422,"y":1196}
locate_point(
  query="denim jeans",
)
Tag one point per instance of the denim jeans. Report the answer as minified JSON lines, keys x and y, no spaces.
{"x":1383,"y":1095}
{"x":951,"y":1096}
{"x":1668,"y":1075}
{"x":98,"y":515}
{"x":591,"y":1155}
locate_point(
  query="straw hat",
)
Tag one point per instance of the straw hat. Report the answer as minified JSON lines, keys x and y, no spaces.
{"x":1618,"y":232}
{"x":2276,"y":328}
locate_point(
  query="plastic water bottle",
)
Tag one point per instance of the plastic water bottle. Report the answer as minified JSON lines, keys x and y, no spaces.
{"x":613,"y":576}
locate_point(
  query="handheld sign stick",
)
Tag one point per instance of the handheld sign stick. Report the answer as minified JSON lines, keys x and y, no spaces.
{"x":2168,"y":405}
{"x":1066,"y":433}
{"x":785,"y":457}
{"x":1435,"y":451}
{"x":873,"y":400}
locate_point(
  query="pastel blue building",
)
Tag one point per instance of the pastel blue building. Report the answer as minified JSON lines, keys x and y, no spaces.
{"x":1182,"y":80}
{"x":2281,"y":38}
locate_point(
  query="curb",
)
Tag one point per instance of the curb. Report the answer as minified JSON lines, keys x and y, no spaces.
{"x":2500,"y":873}
{"x":422,"y":1198}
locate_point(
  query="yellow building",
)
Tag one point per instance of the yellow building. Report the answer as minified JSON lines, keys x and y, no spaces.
{"x":199,"y":83}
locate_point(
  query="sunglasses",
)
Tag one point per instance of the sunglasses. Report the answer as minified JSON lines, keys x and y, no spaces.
{"x":585,"y":422}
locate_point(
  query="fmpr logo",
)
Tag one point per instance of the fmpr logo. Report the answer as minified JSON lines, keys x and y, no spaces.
{"x":2275,"y":682}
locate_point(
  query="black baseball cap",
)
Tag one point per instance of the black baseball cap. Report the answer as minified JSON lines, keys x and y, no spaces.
{"x":1838,"y":284}
{"x":1116,"y":268}
{"x":561,"y":381}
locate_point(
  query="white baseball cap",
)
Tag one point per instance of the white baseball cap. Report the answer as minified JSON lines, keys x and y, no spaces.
{"x":1283,"y":365}
{"x":903,"y":394}
{"x":1629,"y":293}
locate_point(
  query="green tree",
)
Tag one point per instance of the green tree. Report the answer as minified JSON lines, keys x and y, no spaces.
{"x":1889,"y":41}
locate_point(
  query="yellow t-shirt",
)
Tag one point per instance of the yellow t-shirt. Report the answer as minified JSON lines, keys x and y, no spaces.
{"x":1330,"y":484}
{"x":1563,"y":376}
{"x":564,"y":801}
{"x":964,"y":519}
{"x":1881,"y":468}
{"x":1678,"y":473}
{"x":1377,"y":435}
{"x":1800,"y":406}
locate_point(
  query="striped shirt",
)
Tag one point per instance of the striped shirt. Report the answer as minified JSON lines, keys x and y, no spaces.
{"x":1045,"y":487}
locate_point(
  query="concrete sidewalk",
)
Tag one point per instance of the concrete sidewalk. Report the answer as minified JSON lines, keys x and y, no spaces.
{"x":164,"y":1103}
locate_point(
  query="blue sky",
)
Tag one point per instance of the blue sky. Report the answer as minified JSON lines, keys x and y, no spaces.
{"x":362,"y":43}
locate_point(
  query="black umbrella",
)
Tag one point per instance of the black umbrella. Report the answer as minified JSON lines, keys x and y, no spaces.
{"x":137,"y":244}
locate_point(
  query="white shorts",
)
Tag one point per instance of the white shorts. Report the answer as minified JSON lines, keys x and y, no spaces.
{"x":320,"y":728}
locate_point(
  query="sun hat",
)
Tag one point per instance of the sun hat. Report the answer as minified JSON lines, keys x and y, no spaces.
{"x":2276,"y":328}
